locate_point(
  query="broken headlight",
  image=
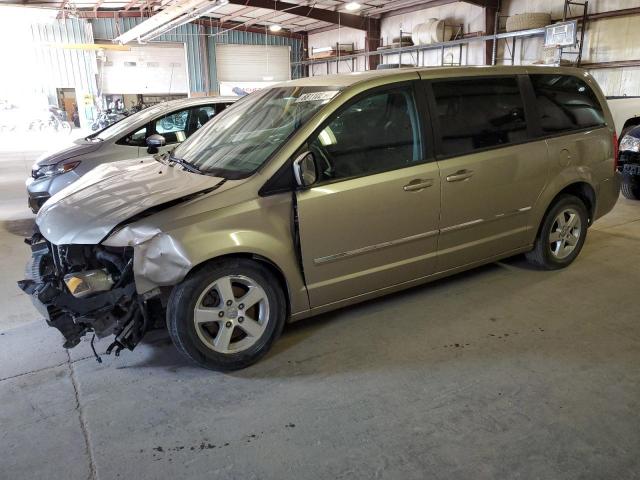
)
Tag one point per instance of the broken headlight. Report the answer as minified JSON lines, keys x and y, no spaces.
{"x":81,"y":284}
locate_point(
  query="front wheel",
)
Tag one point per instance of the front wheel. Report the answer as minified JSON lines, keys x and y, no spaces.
{"x":561,"y":235}
{"x":226,"y":315}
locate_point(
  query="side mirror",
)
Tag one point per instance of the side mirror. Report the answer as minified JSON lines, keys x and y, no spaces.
{"x":154,"y":142}
{"x":304,"y":170}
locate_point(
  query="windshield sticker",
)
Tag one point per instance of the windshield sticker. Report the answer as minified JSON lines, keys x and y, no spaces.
{"x":317,"y":96}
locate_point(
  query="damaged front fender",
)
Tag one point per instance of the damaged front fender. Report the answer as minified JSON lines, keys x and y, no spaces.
{"x":158,"y":259}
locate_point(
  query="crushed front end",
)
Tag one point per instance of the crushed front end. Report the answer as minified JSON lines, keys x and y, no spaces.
{"x":89,"y":288}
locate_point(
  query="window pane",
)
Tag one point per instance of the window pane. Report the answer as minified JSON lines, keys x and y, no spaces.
{"x":239,"y":140}
{"x":479,"y":113}
{"x":203,"y":115}
{"x":137,"y":138}
{"x":172,"y":127}
{"x":198,"y":117}
{"x":565,"y":103}
{"x":375,"y":134}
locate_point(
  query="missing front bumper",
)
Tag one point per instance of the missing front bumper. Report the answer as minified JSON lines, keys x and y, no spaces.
{"x":119,"y":311}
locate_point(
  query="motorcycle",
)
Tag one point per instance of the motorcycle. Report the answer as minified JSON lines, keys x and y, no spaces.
{"x":105,"y":119}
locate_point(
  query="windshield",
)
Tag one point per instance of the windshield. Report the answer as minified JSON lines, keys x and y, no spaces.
{"x":123,"y":126}
{"x":238,"y":141}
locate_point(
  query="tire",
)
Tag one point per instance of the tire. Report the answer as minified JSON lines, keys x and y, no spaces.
{"x":553,"y":255}
{"x":222,"y":323}
{"x":527,"y":21}
{"x":631,"y":190}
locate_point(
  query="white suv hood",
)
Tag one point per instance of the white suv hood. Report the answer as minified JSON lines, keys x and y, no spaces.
{"x":88,"y":209}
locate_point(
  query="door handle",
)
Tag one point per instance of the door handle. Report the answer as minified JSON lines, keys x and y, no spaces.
{"x":418,"y":184}
{"x":460,"y":175}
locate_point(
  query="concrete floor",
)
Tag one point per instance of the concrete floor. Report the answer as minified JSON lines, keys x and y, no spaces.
{"x":502,"y":372}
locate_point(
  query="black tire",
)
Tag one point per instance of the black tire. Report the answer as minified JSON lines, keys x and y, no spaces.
{"x":631,"y":191}
{"x":182,"y":303}
{"x":542,"y":256}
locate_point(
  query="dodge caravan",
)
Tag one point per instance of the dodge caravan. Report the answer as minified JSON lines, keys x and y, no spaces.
{"x":322,"y":192}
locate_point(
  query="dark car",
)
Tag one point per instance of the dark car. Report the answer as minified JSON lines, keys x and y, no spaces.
{"x":629,"y":163}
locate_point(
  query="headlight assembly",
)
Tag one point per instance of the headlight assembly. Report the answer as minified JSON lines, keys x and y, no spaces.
{"x":630,"y":144}
{"x":81,"y":284}
{"x":56,"y":169}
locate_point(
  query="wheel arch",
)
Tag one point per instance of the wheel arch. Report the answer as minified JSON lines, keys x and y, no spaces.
{"x":584,"y":191}
{"x":267,"y":262}
{"x":580,"y":189}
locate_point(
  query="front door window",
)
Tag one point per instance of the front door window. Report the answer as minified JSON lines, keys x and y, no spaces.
{"x":372,"y":135}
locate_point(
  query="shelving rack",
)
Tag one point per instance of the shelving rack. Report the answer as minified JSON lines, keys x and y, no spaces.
{"x":416,"y":59}
{"x":417,"y":49}
{"x":582,"y":25}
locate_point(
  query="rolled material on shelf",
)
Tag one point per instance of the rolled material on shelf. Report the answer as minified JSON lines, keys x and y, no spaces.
{"x":421,"y":34}
{"x":527,"y":21}
{"x":431,"y":31}
{"x":440,"y":31}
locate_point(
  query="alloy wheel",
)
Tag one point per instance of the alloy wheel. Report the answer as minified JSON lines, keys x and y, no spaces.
{"x":565,"y":233}
{"x":231,"y":314}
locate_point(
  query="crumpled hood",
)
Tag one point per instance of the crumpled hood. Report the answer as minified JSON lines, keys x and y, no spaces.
{"x":91,"y":207}
{"x":78,"y":147}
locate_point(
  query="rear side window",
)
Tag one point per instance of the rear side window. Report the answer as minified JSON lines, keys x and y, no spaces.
{"x":479,"y":113}
{"x":565,"y":103}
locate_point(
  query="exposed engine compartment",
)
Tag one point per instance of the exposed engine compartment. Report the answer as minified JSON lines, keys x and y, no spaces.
{"x":88,"y":288}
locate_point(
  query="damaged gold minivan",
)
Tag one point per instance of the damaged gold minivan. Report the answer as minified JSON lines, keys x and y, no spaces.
{"x":323,"y":192}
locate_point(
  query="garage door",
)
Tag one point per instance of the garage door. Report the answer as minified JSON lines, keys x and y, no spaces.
{"x":252,"y":63}
{"x":148,"y":69}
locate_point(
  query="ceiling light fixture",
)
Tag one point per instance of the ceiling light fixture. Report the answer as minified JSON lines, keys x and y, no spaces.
{"x":170,"y":18}
{"x":275,"y":27}
{"x":352,"y":6}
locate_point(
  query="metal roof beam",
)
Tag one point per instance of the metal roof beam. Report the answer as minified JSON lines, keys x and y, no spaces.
{"x":344,"y":19}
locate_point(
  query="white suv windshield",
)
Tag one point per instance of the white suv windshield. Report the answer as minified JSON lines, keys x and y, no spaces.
{"x":237,"y":142}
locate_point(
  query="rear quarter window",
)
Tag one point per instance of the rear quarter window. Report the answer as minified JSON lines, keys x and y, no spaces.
{"x":565,"y":103}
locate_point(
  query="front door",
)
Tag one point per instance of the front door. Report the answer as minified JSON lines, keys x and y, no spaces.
{"x":491,"y":173}
{"x":371,"y":219}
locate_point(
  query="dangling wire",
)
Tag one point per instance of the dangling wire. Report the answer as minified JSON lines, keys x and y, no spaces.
{"x":93,"y":348}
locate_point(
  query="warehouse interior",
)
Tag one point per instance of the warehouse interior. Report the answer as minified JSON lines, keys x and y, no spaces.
{"x":505,"y":370}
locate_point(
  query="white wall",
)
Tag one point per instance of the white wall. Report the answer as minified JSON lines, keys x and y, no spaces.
{"x":606,"y":40}
{"x":471,"y":16}
{"x":555,"y":7}
{"x":154,"y":68}
{"x":329,"y":39}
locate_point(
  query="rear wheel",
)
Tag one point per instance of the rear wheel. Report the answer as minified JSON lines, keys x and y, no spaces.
{"x":226,"y":315}
{"x":631,"y":190}
{"x":561,"y":235}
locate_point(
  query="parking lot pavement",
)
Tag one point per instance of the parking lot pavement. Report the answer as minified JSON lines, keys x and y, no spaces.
{"x":502,"y":372}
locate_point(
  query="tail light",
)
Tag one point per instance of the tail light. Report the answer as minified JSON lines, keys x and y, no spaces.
{"x":616,"y":152}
